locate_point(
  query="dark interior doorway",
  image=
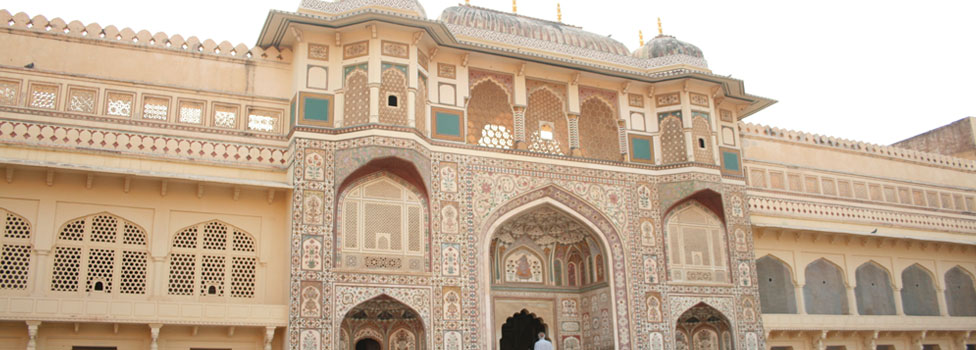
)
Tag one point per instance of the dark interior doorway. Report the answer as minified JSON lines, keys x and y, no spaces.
{"x":367,"y":344}
{"x":521,"y":331}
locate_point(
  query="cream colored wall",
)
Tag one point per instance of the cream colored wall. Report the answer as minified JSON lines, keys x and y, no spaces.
{"x":799,"y":248}
{"x":62,"y":336}
{"x":48,"y":207}
{"x":131,"y":63}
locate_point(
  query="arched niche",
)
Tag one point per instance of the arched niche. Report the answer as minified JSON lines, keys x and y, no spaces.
{"x":700,"y":327}
{"x":959,"y":292}
{"x":604,"y":235}
{"x":777,"y":293}
{"x":390,"y":323}
{"x":918,"y":295}
{"x":825,"y":292}
{"x":873,"y":292}
{"x":696,"y":241}
{"x":520,"y":330}
{"x":489,"y":109}
{"x":382,"y":224}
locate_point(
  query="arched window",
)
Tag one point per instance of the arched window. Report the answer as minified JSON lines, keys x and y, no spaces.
{"x":490,"y":118}
{"x":959,"y":292}
{"x":101,"y":253}
{"x":873,"y":291}
{"x":776,"y":289}
{"x":696,"y":248}
{"x":918,"y":296}
{"x":201,"y":255}
{"x":382,"y":225}
{"x":824,"y":292}
{"x":15,"y":259}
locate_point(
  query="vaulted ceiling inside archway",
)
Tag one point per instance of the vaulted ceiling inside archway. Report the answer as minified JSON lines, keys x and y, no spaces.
{"x":545,"y":226}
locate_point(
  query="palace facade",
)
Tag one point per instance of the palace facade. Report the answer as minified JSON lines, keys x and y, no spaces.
{"x":366,"y":177}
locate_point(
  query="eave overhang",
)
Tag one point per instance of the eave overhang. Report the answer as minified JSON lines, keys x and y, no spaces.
{"x":276,"y":25}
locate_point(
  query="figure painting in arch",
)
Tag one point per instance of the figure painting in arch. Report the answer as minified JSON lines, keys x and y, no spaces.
{"x":383,"y":323}
{"x":542,"y":248}
{"x":698,"y":328}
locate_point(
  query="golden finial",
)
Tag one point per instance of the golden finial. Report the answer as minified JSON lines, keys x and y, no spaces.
{"x":467,"y":2}
{"x":659,"y":30}
{"x":559,"y":13}
{"x":514,"y":8}
{"x":641,"y":34}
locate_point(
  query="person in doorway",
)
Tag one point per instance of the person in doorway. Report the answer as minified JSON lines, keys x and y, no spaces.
{"x":542,"y":344}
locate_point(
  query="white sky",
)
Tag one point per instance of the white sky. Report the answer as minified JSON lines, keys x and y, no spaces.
{"x":875,"y":71}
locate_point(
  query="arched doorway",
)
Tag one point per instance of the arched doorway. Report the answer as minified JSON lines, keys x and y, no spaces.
{"x":702,"y":327}
{"x":382,"y":323}
{"x":367,"y":344}
{"x":546,"y":260}
{"x":521,"y":331}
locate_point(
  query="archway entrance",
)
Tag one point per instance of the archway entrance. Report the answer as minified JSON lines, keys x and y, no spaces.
{"x":382,"y":323}
{"x":546,"y":264}
{"x":367,"y":344}
{"x":521,"y":331}
{"x":702,"y":327}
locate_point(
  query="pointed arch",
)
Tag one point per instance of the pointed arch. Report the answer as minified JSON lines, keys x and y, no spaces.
{"x":488,"y":108}
{"x":212,"y":259}
{"x":89,"y":250}
{"x":16,"y":254}
{"x":697,"y":247}
{"x":825,"y":292}
{"x":672,"y":139}
{"x":702,"y":324}
{"x":382,"y":223}
{"x":960,"y":292}
{"x":365,"y":305}
{"x":606,"y":235}
{"x":918,"y":294}
{"x":599,"y":134}
{"x":393,"y":88}
{"x":545,"y":115}
{"x":873,"y":292}
{"x":777,"y":292}
{"x":356,"y":106}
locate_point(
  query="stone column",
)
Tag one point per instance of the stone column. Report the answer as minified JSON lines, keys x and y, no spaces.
{"x":622,"y":139}
{"x":268,"y":337}
{"x":519,"y":126}
{"x":899,"y":309}
{"x":574,"y":145}
{"x":42,"y":256}
{"x":943,"y":307}
{"x":154,"y":335}
{"x":32,"y":334}
{"x":800,"y":304}
{"x":412,"y":107}
{"x":851,"y":302}
{"x":374,"y":102}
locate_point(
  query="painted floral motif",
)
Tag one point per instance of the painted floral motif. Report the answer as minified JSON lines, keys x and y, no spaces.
{"x":312,"y":254}
{"x":571,"y":342}
{"x":448,"y":175}
{"x":737,"y":206}
{"x":314,"y":165}
{"x":644,"y":197}
{"x":569,"y":308}
{"x":313,"y":207}
{"x":748,"y":310}
{"x":310,"y":302}
{"x":657,"y":341}
{"x":452,"y":340}
{"x":450,"y":259}
{"x":745,"y":279}
{"x":449,"y":219}
{"x":452,"y":303}
{"x":650,"y":269}
{"x":653,"y":308}
{"x":311,"y":340}
{"x":740,"y":241}
{"x":752,"y":342}
{"x":647,"y":232}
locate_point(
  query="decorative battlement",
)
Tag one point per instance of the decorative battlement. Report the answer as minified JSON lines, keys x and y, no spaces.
{"x":143,"y":38}
{"x":747,"y":129}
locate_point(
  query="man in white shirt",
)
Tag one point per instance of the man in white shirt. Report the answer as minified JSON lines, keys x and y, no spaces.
{"x":542,"y":344}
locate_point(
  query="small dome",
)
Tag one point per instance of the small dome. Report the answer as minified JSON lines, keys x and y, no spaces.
{"x":533,"y":28}
{"x":341,"y":7}
{"x":666,"y":45}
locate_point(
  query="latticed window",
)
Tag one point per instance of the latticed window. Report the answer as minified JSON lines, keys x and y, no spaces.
{"x":384,"y":216}
{"x":696,"y":245}
{"x":212,"y":259}
{"x":15,"y":257}
{"x":101,"y":253}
